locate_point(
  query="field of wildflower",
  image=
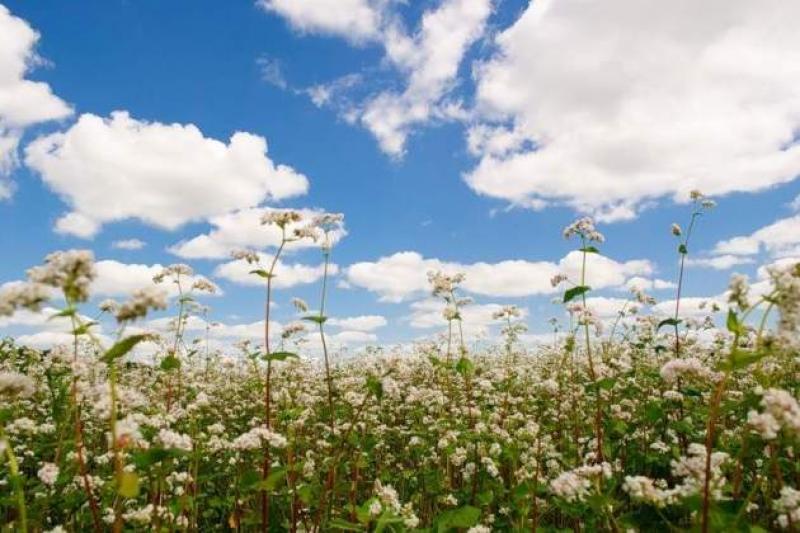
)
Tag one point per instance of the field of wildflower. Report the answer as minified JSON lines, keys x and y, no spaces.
{"x":652,"y":424}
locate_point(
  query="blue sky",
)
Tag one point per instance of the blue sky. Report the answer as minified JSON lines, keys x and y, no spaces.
{"x":466,"y":131}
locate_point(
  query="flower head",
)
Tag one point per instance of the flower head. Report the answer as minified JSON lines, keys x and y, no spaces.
{"x":584,"y":228}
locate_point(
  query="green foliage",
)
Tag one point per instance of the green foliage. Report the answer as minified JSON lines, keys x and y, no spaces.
{"x":573,"y":292}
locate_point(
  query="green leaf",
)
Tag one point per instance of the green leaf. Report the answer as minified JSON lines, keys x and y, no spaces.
{"x":275,"y":477}
{"x":344,"y":525}
{"x":151,"y":456}
{"x":741,"y":359}
{"x":123,"y":347}
{"x":463,"y":517}
{"x":574,"y":292}
{"x":170,"y":363}
{"x":362,"y":512}
{"x":668,"y":322}
{"x":464,"y":366}
{"x":375,"y":386}
{"x":83,"y":329}
{"x":733,"y":324}
{"x":69,"y":311}
{"x":606,"y":383}
{"x":316,"y":318}
{"x":128,"y":485}
{"x":281,"y":356}
{"x":589,"y":250}
{"x":653,"y":412}
{"x":263,"y":273}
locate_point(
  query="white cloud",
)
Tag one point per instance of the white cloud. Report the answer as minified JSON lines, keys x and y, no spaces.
{"x":22,"y":102}
{"x":44,"y":329}
{"x":779,"y":238}
{"x":607,"y":308}
{"x":430,"y":60}
{"x":286,"y":275}
{"x":720,"y":262}
{"x":738,"y":246}
{"x":116,"y":279}
{"x":356,"y":20}
{"x":646,"y":284}
{"x":243,"y":229}
{"x":117,"y":168}
{"x":622,"y":102}
{"x":353,"y":337}
{"x":129,"y":244}
{"x":394,"y":278}
{"x":45,"y":318}
{"x":475,"y":318}
{"x":219,"y":330}
{"x":691,"y":306}
{"x":404,"y":274}
{"x":364,"y":323}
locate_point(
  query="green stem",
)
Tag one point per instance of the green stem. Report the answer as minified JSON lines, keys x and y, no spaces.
{"x":19,"y":487}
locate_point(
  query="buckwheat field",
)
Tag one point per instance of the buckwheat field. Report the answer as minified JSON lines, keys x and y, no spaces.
{"x":651,"y":424}
{"x":400,"y":266}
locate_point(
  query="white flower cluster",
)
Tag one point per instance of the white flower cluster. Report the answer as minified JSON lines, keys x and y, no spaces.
{"x":141,"y":301}
{"x":174,"y":440}
{"x":387,"y":498}
{"x":256,"y":437}
{"x":71,"y":271}
{"x":48,"y":474}
{"x":22,"y":295}
{"x":575,"y":485}
{"x":691,"y":468}
{"x":444,"y":284}
{"x":584,"y":227}
{"x":781,"y":411}
{"x":15,"y":385}
{"x":690,"y":367}
{"x":789,"y":506}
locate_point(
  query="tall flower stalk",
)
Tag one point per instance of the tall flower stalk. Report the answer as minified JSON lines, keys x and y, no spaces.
{"x":326,"y":224}
{"x":700,"y":204}
{"x":584,"y":229}
{"x":72,"y":272}
{"x":280,"y":219}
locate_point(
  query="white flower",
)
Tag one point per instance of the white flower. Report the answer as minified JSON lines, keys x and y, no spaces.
{"x":48,"y":474}
{"x":16,"y":385}
{"x":172,"y":439}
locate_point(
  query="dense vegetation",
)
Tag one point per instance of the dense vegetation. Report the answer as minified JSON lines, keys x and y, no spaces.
{"x":649,"y":423}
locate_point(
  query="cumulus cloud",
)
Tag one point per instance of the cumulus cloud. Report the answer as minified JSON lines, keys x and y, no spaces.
{"x":780,"y":238}
{"x":44,"y":328}
{"x":428,"y":59}
{"x":243,"y":229}
{"x":476,"y":318}
{"x":22,"y":102}
{"x":117,"y":279}
{"x":363,"y":323}
{"x":645,"y":284}
{"x":117,"y":168}
{"x":286,"y":274}
{"x":404,"y":274}
{"x":356,"y":20}
{"x":129,"y":244}
{"x":607,"y":308}
{"x":720,"y":262}
{"x":691,"y":307}
{"x":606,"y":106}
{"x":196,"y":326}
